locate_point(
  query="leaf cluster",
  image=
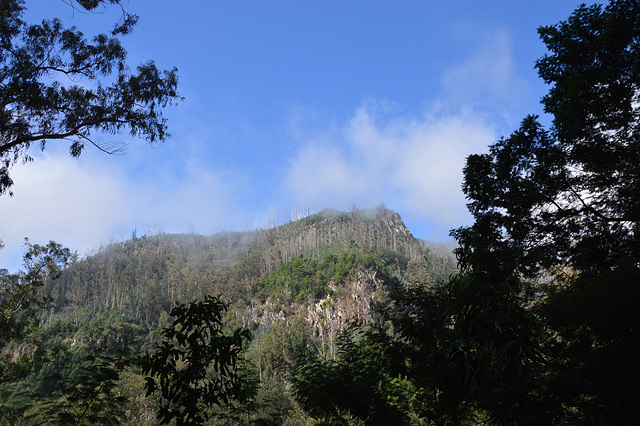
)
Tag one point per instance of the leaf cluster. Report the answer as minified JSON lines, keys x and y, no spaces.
{"x":196,"y":365}
{"x":21,"y":302}
{"x":44,"y":96}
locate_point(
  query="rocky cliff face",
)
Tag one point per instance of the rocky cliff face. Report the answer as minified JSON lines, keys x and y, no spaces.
{"x":351,"y":302}
{"x":356,"y":305}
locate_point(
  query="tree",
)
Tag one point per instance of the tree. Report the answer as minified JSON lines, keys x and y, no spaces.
{"x":363,"y":382}
{"x":21,"y":303}
{"x":44,"y":96}
{"x":95,"y":399}
{"x":557,"y":211}
{"x":196,"y":367}
{"x":540,"y":326}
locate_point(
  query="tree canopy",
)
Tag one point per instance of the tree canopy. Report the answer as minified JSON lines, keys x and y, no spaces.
{"x":557,"y":213}
{"x":567,"y":196}
{"x":58,"y":85}
{"x":196,"y":366}
{"x":21,"y":302}
{"x":540,"y":325}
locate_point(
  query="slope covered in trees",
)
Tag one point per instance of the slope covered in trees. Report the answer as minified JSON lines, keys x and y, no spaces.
{"x":294,"y":287}
{"x":144,"y":276}
{"x":344,"y":318}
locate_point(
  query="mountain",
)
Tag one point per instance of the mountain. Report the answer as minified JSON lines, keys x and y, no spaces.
{"x":295,"y":287}
{"x":330,"y":259}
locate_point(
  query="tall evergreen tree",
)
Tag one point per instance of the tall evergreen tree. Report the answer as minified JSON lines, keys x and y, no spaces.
{"x":540,"y":325}
{"x":560,"y":209}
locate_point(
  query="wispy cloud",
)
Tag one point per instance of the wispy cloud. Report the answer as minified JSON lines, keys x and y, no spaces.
{"x":84,"y":203}
{"x":488,"y":78}
{"x":412,"y":165}
{"x":56,"y":198}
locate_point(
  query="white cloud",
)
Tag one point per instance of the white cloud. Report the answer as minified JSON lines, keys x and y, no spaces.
{"x":414,"y":163}
{"x":322,"y":171}
{"x":84,"y":202}
{"x":58,"y":198}
{"x":488,"y":77}
{"x":199,"y":200}
{"x":411,"y":165}
{"x":430,"y":168}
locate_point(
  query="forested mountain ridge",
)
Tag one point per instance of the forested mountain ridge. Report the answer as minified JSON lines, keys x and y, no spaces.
{"x":538,"y":327}
{"x":281,"y":268}
{"x":294,"y":287}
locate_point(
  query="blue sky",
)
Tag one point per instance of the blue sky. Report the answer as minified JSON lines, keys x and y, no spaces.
{"x":289,"y":105}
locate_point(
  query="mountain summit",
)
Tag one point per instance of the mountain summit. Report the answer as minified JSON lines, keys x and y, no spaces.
{"x":283,"y":268}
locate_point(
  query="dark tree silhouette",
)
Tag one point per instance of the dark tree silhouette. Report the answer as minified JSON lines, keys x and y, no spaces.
{"x":44,"y":95}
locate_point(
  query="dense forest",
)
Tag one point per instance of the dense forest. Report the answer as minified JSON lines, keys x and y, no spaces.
{"x":143,"y":277}
{"x":340,"y":317}
{"x":295,"y":287}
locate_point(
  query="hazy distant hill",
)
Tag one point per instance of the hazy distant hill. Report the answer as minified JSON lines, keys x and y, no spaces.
{"x":331,"y":257}
{"x":295,"y":287}
{"x":444,"y":250}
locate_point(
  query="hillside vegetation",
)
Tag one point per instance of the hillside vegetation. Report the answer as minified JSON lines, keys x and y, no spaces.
{"x":343,"y":317}
{"x":294,"y":286}
{"x":297,"y":263}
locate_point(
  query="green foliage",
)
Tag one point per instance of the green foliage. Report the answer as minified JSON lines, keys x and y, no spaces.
{"x":139,"y":410}
{"x":306,"y":278}
{"x":362,"y":382}
{"x":492,"y":358}
{"x":21,"y":302}
{"x":273,"y":403}
{"x":337,"y":268}
{"x":595,"y":371}
{"x":38,"y":108}
{"x":560,"y":209}
{"x":196,"y":365}
{"x":78,"y":376}
{"x":275,"y":350}
{"x":95,"y":398}
{"x":298,"y":279}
